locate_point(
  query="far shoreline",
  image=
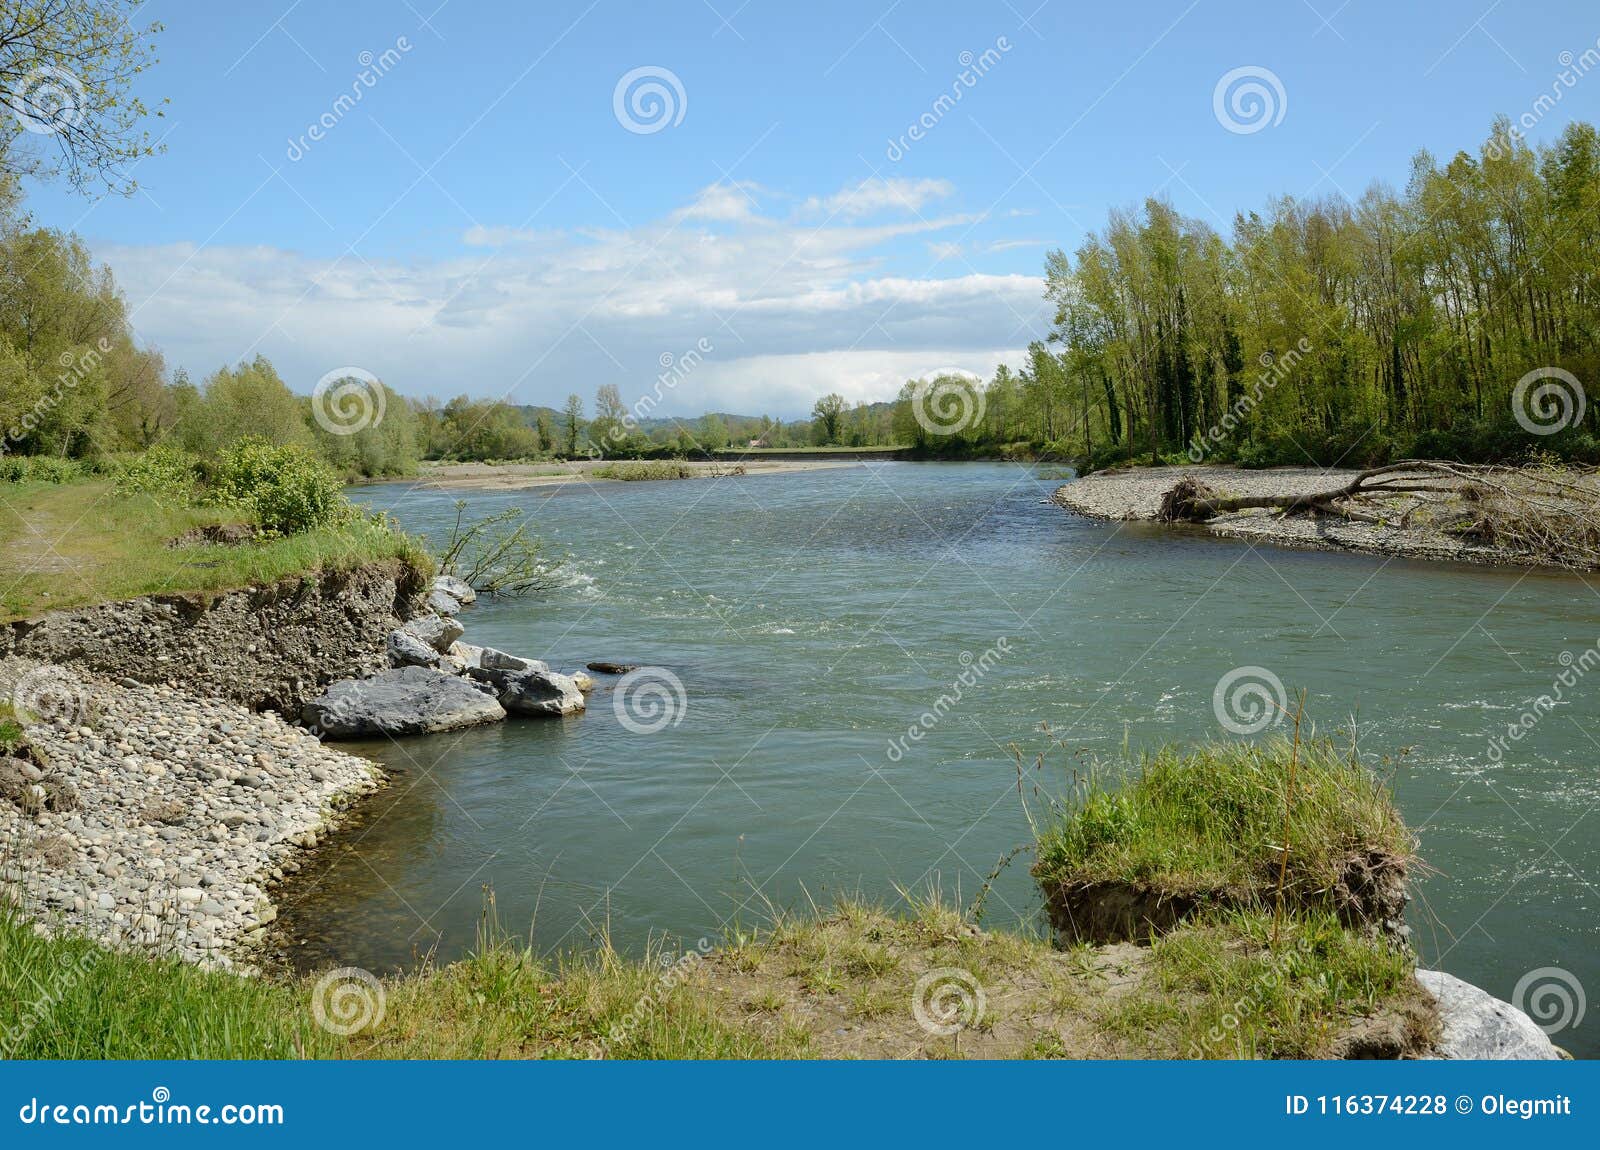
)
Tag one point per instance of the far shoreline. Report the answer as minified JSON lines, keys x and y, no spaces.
{"x":1134,"y":495}
{"x":520,"y":476}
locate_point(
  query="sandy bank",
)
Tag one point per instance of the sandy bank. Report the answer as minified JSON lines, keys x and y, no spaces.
{"x":1135,"y":494}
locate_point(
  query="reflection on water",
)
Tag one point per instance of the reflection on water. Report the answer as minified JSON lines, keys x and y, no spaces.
{"x":813,"y":617}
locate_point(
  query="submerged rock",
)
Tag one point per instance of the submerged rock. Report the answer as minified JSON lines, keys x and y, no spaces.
{"x":533,"y":692}
{"x":606,"y":668}
{"x":404,"y":701}
{"x":458,"y":589}
{"x":1478,"y":1025}
{"x":488,"y":659}
{"x":437,"y":631}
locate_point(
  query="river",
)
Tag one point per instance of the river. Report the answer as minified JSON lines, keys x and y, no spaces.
{"x":813,"y":618}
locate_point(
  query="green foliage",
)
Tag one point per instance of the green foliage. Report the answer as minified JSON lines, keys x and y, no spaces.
{"x":1213,"y":819}
{"x":87,"y":131}
{"x":498,"y":555}
{"x":285,"y":488}
{"x":165,"y":472}
{"x":42,"y":469}
{"x":383,"y":444}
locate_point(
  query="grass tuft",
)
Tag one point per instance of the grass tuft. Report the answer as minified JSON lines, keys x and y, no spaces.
{"x":1213,"y":820}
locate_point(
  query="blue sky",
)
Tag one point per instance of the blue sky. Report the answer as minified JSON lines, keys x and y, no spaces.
{"x":482,"y":221}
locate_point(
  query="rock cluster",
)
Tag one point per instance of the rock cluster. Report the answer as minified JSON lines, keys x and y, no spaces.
{"x":436,"y":682}
{"x":147,"y":816}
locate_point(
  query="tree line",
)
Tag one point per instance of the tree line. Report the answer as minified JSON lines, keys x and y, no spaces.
{"x":1458,"y":317}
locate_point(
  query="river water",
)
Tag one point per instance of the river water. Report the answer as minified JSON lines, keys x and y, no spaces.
{"x":813,"y":618}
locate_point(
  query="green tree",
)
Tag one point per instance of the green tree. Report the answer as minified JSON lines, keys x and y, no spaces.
{"x":67,"y":69}
{"x":828,"y":414}
{"x":572,"y":417}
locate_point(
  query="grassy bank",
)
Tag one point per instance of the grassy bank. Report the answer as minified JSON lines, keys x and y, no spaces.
{"x":64,"y":545}
{"x":1235,"y":978}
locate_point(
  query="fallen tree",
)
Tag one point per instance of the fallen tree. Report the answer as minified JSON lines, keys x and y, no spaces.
{"x":1542,"y":514}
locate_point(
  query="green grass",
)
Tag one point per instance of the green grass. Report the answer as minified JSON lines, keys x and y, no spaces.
{"x":1221,"y":988}
{"x":1212,"y":820}
{"x":67,"y":998}
{"x":85,"y":542}
{"x":631,"y":471}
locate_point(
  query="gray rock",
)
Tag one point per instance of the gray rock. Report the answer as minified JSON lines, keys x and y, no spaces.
{"x":403,"y":701}
{"x":1478,"y":1025}
{"x":534,"y":692}
{"x":458,"y":589}
{"x":437,"y":631}
{"x":407,"y":650}
{"x":444,"y":603}
{"x":582,"y":681}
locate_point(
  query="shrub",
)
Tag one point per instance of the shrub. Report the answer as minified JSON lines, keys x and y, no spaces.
{"x":287,"y":488}
{"x":41,"y":469}
{"x":163,"y":472}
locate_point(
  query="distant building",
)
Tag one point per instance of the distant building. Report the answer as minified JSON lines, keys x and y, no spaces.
{"x":762,"y":442}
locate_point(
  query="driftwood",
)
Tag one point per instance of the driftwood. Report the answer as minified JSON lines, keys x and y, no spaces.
{"x":1544,"y":515}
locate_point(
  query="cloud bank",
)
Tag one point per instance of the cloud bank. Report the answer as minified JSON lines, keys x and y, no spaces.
{"x":792,"y":302}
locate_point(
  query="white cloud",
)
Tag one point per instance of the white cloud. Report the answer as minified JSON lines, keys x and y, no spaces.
{"x":728,"y":202}
{"x":792,"y":308}
{"x":874,"y":195}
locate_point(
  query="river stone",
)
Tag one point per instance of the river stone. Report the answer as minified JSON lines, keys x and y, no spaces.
{"x":406,"y":650}
{"x":458,"y":589}
{"x":443,"y":602}
{"x":1476,"y":1024}
{"x":437,"y":631}
{"x":403,"y":701}
{"x":584,"y":682}
{"x":533,"y":692}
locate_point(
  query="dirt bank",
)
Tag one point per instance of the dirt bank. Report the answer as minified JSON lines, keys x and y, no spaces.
{"x":1135,"y":495}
